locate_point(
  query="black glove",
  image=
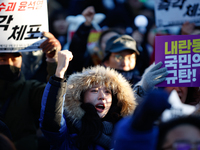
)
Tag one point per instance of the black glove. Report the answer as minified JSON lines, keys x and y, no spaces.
{"x":150,"y":109}
{"x":91,"y":125}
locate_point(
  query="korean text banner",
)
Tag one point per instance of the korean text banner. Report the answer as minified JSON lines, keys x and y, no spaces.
{"x":181,"y":55}
{"x":176,"y":12}
{"x":21,"y":24}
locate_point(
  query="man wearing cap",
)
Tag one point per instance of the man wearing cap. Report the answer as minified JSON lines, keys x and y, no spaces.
{"x":121,"y":54}
{"x":20,"y":99}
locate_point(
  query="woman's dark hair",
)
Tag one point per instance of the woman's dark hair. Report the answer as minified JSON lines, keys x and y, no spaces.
{"x":104,"y":33}
{"x":165,"y":127}
{"x":193,"y":96}
{"x":113,"y":114}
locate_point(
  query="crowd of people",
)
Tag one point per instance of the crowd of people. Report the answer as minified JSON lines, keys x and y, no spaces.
{"x":75,"y":99}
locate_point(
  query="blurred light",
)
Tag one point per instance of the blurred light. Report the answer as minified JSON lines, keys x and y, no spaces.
{"x":141,"y":22}
{"x":129,"y":30}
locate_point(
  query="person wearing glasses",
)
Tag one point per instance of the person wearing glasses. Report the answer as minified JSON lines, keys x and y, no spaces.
{"x":121,"y":54}
{"x":182,"y":133}
{"x":145,"y":129}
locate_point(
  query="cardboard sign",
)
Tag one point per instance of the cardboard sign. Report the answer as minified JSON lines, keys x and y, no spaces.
{"x":176,"y":12}
{"x":181,"y":55}
{"x":21,"y":24}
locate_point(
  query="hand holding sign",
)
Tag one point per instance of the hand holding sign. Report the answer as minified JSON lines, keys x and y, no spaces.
{"x":180,"y":54}
{"x":51,"y":46}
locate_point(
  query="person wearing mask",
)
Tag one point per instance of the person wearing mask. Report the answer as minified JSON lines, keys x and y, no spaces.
{"x":121,"y":54}
{"x":20,"y":99}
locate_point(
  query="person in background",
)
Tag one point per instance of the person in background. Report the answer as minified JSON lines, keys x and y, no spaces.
{"x":124,"y":63}
{"x":105,"y":36}
{"x":78,"y":45}
{"x":130,"y":70}
{"x":80,"y":113}
{"x":20,"y":99}
{"x":121,"y":54}
{"x":190,"y":29}
{"x":187,"y":95}
{"x":146,"y":130}
{"x":58,"y":25}
{"x":180,"y":133}
{"x":145,"y":43}
{"x":123,"y":14}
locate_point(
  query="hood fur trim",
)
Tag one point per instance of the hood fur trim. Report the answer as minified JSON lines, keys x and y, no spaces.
{"x":80,"y":82}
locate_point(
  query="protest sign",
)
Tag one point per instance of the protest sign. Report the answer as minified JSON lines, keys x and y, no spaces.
{"x":21,"y":24}
{"x":181,"y":55}
{"x":176,"y":12}
{"x":93,"y":48}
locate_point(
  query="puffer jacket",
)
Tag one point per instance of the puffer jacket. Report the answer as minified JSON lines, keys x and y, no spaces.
{"x":61,"y":104}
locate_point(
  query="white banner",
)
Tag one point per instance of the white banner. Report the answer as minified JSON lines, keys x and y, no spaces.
{"x":21,"y":24}
{"x":175,"y":12}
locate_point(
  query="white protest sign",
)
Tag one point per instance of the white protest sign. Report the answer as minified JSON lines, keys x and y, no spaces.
{"x":175,"y":12}
{"x":21,"y":24}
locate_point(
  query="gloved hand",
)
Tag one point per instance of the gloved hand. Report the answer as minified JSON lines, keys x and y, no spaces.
{"x":50,"y":46}
{"x":91,"y":125}
{"x":150,"y":109}
{"x":152,"y":76}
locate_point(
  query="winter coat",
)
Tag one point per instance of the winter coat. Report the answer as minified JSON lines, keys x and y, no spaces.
{"x":54,"y":120}
{"x":20,"y":103}
{"x":78,"y":47}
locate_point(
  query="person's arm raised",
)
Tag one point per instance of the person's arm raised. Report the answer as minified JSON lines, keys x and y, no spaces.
{"x":88,"y":13}
{"x":64,"y":57}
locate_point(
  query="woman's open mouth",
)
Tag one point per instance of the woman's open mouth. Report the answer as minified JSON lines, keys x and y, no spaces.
{"x":100,"y":107}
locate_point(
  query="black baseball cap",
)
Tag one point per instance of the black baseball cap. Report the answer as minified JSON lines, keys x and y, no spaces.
{"x":16,"y":54}
{"x":119,"y":43}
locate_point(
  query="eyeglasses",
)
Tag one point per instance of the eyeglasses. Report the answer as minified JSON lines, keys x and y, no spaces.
{"x":184,"y":146}
{"x":120,"y":58}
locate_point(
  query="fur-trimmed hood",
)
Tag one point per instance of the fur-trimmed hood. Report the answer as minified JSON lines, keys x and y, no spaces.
{"x":80,"y":82}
